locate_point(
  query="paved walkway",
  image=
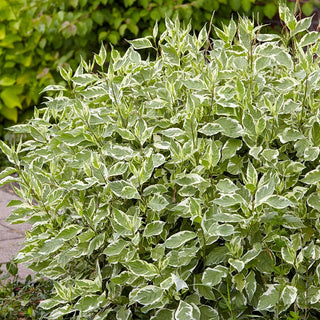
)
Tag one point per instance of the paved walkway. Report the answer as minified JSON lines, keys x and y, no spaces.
{"x":11,"y":236}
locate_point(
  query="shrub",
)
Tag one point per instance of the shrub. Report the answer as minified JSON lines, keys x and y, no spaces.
{"x":183,"y":187}
{"x":20,"y":299}
{"x":36,"y":37}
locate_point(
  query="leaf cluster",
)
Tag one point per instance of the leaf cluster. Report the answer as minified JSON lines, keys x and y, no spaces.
{"x":36,"y":37}
{"x":180,"y":187}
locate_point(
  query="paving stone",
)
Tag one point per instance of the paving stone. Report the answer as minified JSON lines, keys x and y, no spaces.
{"x":8,"y":248}
{"x":16,"y":228}
{"x":7,"y":233}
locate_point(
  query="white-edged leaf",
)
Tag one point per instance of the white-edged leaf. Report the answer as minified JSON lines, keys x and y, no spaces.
{"x":210,"y":129}
{"x":270,"y":298}
{"x":189,"y":179}
{"x":142,"y":268}
{"x":147,"y":295}
{"x":312,"y":177}
{"x":153,"y":228}
{"x":186,"y":311}
{"x":213,"y":276}
{"x":140,"y":43}
{"x":309,"y":38}
{"x":278,"y":202}
{"x":289,"y":295}
{"x":158,"y":202}
{"x":230,"y":127}
{"x":250,"y":285}
{"x":179,"y":238}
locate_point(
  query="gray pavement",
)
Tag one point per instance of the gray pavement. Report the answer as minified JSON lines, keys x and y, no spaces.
{"x":11,"y":236}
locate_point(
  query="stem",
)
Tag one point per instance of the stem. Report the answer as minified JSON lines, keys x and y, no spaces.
{"x":93,"y":133}
{"x":204,"y":243}
{"x":229,"y":302}
{"x":293,"y":54}
{"x":212,"y":98}
{"x":305,"y":317}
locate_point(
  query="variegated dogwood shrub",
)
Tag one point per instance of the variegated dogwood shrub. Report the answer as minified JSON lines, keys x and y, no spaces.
{"x":183,"y":187}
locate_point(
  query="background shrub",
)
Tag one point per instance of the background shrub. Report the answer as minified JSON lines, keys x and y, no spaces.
{"x":20,"y":299}
{"x":184,"y":187}
{"x":36,"y":37}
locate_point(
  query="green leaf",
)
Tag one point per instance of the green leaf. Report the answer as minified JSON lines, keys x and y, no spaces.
{"x":289,"y":134}
{"x":230,"y":127}
{"x":69,"y":232}
{"x":288,"y":255}
{"x":140,"y":43}
{"x":315,"y":134}
{"x":179,"y":283}
{"x":163,"y":314}
{"x":122,"y":219}
{"x":208,"y":313}
{"x":213,"y":276}
{"x":170,"y":55}
{"x":270,"y":298}
{"x":118,"y":169}
{"x":226,"y":186}
{"x":211,"y":156}
{"x":278,"y":202}
{"x":7,"y":171}
{"x":289,"y":295}
{"x":10,"y":97}
{"x":115,"y":248}
{"x":270,"y":9}
{"x":307,"y":8}
{"x":186,"y":311}
{"x":264,"y":192}
{"x":118,"y":152}
{"x":229,"y":200}
{"x":130,"y":192}
{"x":221,"y":230}
{"x":250,"y":285}
{"x":237,"y":264}
{"x":158,"y":202}
{"x":312,"y":177}
{"x":195,"y":208}
{"x":303,"y":25}
{"x":147,"y":295}
{"x":153,"y":228}
{"x":96,"y":243}
{"x":230,"y":148}
{"x":50,"y":246}
{"x":210,"y":129}
{"x":173,"y":132}
{"x":179,"y":238}
{"x":124,"y":190}
{"x":189,"y":179}
{"x":123,"y":314}
{"x":89,"y":303}
{"x":50,"y":303}
{"x":142,"y":268}
{"x":126,"y":134}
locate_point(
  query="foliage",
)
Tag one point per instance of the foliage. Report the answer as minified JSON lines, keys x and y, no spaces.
{"x":36,"y":37}
{"x":19,"y":300}
{"x":184,"y":187}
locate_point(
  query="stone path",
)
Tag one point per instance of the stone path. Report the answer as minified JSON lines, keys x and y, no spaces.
{"x":11,"y":236}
